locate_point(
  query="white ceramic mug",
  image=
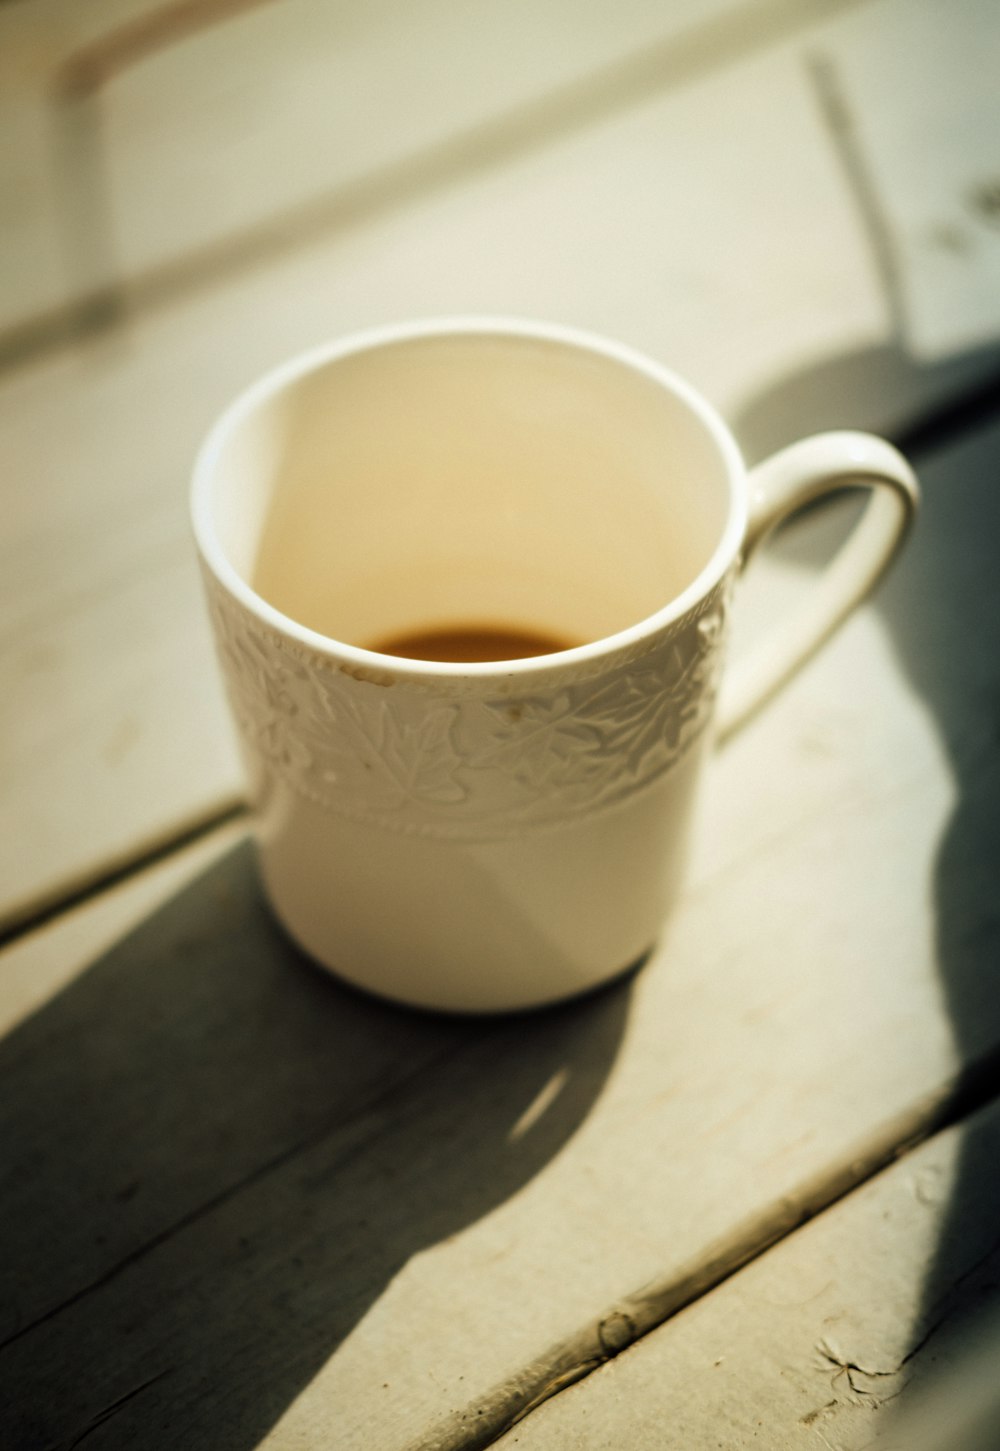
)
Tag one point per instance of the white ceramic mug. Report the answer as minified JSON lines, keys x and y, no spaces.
{"x":495,"y":835}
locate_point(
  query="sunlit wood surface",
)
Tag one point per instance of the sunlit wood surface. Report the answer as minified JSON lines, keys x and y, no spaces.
{"x":242,"y":1206}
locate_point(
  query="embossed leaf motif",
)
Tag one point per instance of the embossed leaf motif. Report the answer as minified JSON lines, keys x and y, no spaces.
{"x":452,"y":765}
{"x":259,"y":692}
{"x":542,"y":742}
{"x":639,"y":716}
{"x":267,"y":692}
{"x":414,"y":761}
{"x":601,"y":737}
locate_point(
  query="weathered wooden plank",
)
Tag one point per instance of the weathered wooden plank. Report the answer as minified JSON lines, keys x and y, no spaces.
{"x":824,"y":995}
{"x":167,"y":1049}
{"x":114,"y":716}
{"x":853,"y":1332}
{"x":163,"y":1045}
{"x":140,"y":132}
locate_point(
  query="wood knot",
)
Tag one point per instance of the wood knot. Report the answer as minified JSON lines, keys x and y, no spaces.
{"x":615,"y":1332}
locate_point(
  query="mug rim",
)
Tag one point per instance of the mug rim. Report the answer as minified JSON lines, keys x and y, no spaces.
{"x":284,"y":375}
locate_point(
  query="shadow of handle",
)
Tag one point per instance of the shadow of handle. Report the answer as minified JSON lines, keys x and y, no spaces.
{"x":790,"y":480}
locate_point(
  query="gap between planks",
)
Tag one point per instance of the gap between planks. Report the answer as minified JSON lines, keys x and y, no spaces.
{"x":46,"y":907}
{"x":231,"y":1191}
{"x":633,"y":1316}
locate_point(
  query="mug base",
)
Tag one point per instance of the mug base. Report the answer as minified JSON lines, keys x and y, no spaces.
{"x":420,"y":1003}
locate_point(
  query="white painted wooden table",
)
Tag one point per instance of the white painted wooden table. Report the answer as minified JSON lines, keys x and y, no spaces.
{"x":243,"y":1206}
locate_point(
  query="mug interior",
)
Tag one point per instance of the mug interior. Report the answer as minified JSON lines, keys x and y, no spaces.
{"x":471,"y":477}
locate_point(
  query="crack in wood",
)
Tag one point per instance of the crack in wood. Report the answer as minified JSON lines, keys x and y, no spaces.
{"x":261,"y":1172}
{"x":112,"y":1410}
{"x":571,"y":1360}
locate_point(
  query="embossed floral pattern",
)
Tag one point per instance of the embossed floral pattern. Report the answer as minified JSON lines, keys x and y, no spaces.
{"x":471,"y":760}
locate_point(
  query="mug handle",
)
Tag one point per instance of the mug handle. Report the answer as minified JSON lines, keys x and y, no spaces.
{"x":789,"y":480}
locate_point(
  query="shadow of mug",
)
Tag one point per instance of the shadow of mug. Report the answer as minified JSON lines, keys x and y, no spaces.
{"x":216,"y":1158}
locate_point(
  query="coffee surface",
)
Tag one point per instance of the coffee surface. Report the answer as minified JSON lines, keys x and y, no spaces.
{"x":464,"y":643}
